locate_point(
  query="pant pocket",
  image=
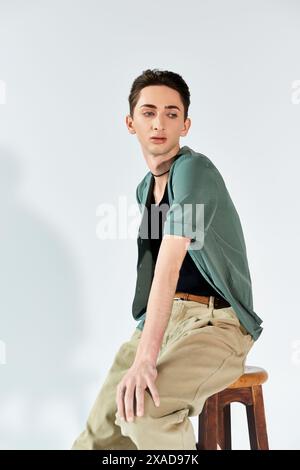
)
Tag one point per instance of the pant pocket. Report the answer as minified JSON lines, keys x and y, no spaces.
{"x":185,"y":327}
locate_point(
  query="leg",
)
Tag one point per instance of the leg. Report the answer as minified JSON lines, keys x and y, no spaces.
{"x":208,"y":425}
{"x":226,"y":415}
{"x":101,"y":431}
{"x":200,"y":356}
{"x":257,"y":420}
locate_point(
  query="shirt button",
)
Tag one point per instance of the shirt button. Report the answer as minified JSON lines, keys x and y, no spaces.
{"x":140,"y":265}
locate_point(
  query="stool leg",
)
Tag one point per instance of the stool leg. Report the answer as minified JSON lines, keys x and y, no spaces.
{"x":208,"y":425}
{"x":224,"y":426}
{"x":227,"y":427}
{"x":257,"y":420}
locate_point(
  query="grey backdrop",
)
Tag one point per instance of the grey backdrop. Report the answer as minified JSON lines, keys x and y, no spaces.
{"x":66,"y":68}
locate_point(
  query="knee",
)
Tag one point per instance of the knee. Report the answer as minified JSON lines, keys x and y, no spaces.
{"x":168,"y":412}
{"x":151,"y":413}
{"x":150,"y":410}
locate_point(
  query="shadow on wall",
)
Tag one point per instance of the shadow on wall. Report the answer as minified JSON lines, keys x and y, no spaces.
{"x":40,"y":324}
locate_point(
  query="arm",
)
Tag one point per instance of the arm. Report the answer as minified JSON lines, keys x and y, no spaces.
{"x":170,"y":257}
{"x":143,"y":373}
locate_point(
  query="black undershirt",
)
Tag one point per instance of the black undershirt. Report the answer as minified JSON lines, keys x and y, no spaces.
{"x":190,"y":279}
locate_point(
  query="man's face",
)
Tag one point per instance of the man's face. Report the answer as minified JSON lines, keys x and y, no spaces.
{"x":158,"y":112}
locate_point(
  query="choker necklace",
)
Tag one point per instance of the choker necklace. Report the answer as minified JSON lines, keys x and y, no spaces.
{"x":177,"y":155}
{"x":160,"y":174}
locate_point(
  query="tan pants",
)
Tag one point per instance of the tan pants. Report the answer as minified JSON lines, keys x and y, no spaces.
{"x":203,"y":351}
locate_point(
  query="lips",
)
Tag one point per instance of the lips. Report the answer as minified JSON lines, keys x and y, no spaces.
{"x":158,"y":139}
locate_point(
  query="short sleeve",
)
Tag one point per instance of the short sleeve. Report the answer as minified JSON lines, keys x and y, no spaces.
{"x":195,"y":189}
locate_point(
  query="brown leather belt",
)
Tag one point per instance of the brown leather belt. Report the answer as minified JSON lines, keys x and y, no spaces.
{"x":203,"y":299}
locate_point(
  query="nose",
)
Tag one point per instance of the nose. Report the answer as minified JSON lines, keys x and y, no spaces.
{"x":158,"y":122}
{"x":158,"y":125}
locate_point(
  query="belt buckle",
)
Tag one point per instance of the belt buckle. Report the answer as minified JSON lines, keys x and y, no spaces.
{"x":184,"y":297}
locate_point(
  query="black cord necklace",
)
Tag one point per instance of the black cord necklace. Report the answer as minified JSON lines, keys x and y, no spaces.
{"x":176,"y":156}
{"x":161,"y":173}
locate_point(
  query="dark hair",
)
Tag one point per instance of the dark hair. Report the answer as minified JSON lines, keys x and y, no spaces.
{"x":159,"y":77}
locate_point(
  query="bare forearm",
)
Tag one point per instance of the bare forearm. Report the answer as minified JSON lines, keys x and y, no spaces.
{"x":158,"y":313}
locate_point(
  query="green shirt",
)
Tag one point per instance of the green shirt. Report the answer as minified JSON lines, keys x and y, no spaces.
{"x":200,"y":208}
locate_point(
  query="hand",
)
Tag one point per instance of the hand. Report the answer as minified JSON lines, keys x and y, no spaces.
{"x":141,"y":375}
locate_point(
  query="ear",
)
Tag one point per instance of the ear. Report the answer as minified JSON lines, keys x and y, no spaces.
{"x":130,"y":124}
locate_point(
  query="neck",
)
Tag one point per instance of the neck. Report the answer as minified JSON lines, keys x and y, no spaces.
{"x":161,"y":180}
{"x":161,"y":171}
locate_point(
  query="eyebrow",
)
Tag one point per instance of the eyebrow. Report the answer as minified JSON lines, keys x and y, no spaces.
{"x":170,"y":106}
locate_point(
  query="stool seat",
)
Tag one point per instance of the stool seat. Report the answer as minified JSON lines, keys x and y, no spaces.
{"x":252,"y":376}
{"x":215,"y":418}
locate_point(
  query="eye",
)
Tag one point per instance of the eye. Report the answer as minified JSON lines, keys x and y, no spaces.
{"x":170,"y":114}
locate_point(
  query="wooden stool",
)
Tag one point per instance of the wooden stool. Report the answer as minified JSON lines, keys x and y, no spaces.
{"x":215,"y":423}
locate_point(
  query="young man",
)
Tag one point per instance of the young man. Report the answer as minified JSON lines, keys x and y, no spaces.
{"x":193,"y":296}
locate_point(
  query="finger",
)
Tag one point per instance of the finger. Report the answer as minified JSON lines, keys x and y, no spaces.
{"x":140,"y":395}
{"x":128,"y":401}
{"x":154,"y":392}
{"x":120,"y":401}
